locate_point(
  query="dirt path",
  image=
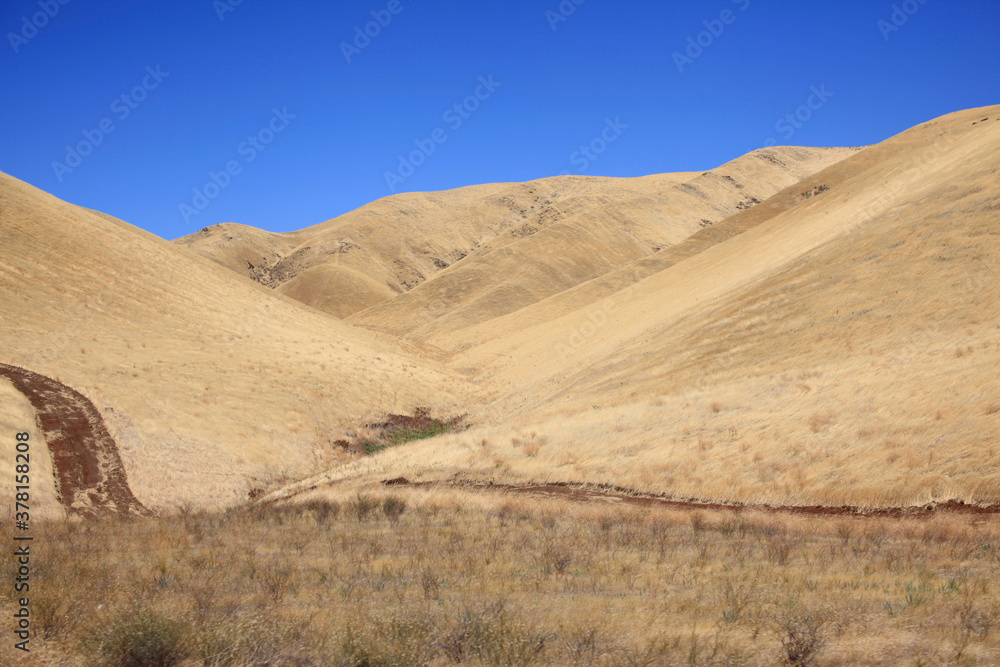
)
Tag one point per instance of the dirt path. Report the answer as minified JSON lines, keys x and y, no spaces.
{"x":90,"y":477}
{"x":614,"y":494}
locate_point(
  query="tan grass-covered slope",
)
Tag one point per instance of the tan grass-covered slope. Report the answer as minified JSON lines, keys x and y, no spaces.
{"x":440,"y":254}
{"x":210,"y":383}
{"x":836,"y":342}
{"x":594,"y":226}
{"x":842,"y":351}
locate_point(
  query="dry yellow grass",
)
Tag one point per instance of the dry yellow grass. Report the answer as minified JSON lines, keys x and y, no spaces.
{"x":824,"y":349}
{"x":430,"y":577}
{"x":210,"y":383}
{"x":589,"y":228}
{"x":841,"y":352}
{"x":465,"y":255}
{"x":18,"y":416}
{"x":837,"y":348}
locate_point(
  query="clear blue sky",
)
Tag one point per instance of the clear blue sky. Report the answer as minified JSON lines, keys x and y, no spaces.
{"x":560,"y":81}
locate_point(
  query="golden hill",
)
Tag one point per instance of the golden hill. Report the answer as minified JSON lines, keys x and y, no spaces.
{"x":211,"y":384}
{"x":841,"y":348}
{"x":597,"y":227}
{"x":798,"y":326}
{"x":403,"y":261}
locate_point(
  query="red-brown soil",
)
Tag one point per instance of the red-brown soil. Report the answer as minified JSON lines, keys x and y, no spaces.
{"x":615,"y":494}
{"x":89,"y":475}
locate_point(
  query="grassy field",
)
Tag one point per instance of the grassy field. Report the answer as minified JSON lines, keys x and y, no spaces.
{"x":423,"y":576}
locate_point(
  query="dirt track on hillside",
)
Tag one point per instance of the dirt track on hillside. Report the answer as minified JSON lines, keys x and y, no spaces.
{"x":614,"y":494}
{"x":89,"y":475}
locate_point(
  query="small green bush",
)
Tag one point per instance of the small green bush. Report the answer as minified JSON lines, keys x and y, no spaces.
{"x":363,"y":506}
{"x":393,"y":507}
{"x":372,"y":447}
{"x":144,"y":639}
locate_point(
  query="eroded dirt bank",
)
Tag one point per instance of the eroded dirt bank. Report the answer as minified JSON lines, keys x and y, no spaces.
{"x":90,"y":478}
{"x":614,"y":494}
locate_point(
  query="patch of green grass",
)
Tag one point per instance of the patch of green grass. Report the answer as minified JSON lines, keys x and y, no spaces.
{"x":436,"y":427}
{"x":372,"y":447}
{"x":398,"y":437}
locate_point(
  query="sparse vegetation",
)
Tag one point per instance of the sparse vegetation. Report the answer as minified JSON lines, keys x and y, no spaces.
{"x":450,"y":577}
{"x":436,"y":427}
{"x":398,"y":429}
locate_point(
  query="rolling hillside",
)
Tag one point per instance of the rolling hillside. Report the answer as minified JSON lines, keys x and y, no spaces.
{"x":842,"y":350}
{"x":428,"y":261}
{"x":210,"y":383}
{"x":798,"y":326}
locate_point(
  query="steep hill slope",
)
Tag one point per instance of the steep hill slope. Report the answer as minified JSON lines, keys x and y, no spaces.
{"x":618,"y":282}
{"x":843,"y":351}
{"x":439,"y":253}
{"x":210,"y":384}
{"x":593,"y":228}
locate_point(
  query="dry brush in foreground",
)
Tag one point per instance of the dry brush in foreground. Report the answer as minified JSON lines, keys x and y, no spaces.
{"x":447,"y":577}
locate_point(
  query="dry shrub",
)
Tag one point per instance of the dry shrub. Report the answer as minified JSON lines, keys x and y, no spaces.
{"x":778,"y":548}
{"x":243,"y":638}
{"x":845,"y":531}
{"x":587,"y":647}
{"x":736,"y":595}
{"x":322,"y":510}
{"x":55,"y":611}
{"x":430,"y":582}
{"x":533,"y":444}
{"x":145,"y":638}
{"x":363,"y":506}
{"x":556,"y":557}
{"x":393,"y":507}
{"x":801,"y":636}
{"x":403,"y":640}
{"x":972,"y":623}
{"x":491,"y":635}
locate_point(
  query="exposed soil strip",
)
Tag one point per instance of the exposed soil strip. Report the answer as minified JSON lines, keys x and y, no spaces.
{"x":89,"y":475}
{"x":614,"y":494}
